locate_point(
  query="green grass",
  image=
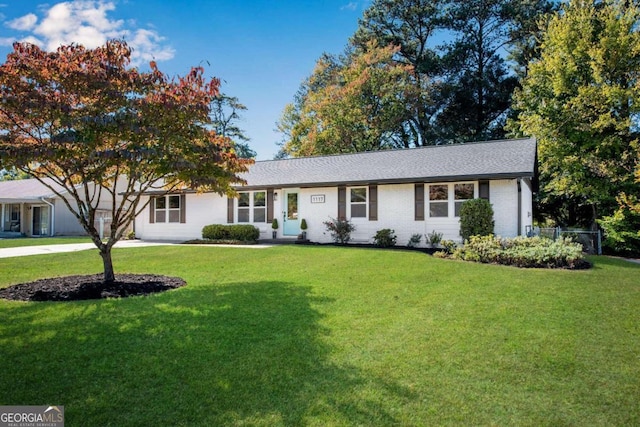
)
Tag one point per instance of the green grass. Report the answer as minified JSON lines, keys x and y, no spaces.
{"x":328,"y":336}
{"x":39,"y":241}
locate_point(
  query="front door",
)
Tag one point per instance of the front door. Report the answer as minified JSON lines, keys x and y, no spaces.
{"x":40,"y":221}
{"x":291,"y":219}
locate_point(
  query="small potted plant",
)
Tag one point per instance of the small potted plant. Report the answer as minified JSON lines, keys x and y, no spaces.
{"x":303,"y":227}
{"x":274,"y":226}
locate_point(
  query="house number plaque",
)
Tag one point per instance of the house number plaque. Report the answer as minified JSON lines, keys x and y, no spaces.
{"x":317,"y":198}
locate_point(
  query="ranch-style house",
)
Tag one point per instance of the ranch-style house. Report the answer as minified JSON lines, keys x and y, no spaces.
{"x":412,"y":191}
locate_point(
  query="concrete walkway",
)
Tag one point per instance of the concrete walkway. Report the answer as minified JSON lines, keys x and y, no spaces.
{"x":70,"y":247}
{"x":75,"y":247}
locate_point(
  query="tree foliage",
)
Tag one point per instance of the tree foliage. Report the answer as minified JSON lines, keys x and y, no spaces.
{"x":581,"y":99}
{"x":94,"y":130}
{"x":357,"y":104}
{"x":225,"y":114}
{"x":461,"y":59}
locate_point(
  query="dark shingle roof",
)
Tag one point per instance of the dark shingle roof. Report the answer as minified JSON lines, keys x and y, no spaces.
{"x":482,"y":160}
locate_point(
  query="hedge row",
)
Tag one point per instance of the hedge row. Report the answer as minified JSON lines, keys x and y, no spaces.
{"x":537,"y":252}
{"x":242,"y":233}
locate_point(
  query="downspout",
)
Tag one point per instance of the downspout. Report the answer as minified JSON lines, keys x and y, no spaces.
{"x":52,"y":216}
{"x":519,"y":206}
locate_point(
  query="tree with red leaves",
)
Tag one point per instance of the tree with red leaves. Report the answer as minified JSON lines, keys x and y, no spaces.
{"x":92,"y":129}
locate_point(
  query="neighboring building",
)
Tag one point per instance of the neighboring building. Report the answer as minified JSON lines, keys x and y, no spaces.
{"x":413,"y":191}
{"x":28,"y":207}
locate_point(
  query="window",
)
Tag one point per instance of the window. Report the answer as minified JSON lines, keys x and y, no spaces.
{"x":259,"y":206}
{"x":359,"y":202}
{"x":15,"y":212}
{"x":11,"y":217}
{"x":174,"y":208}
{"x":252,"y":203}
{"x":161,"y":209}
{"x":462,"y":193}
{"x":243,"y":207}
{"x":439,"y":201}
{"x":168,"y":208}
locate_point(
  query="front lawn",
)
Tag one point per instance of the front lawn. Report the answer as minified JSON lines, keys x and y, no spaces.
{"x":322,"y":336}
{"x":40,"y":241}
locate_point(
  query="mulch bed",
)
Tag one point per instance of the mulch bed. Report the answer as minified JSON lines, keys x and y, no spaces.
{"x":75,"y":288}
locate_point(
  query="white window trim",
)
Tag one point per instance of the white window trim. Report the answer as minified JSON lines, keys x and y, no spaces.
{"x":167,"y":209}
{"x":365,"y":203}
{"x":451,"y":202}
{"x":251,"y":207}
{"x":475,"y":195}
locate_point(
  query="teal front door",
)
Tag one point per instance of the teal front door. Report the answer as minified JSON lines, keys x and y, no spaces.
{"x":291,"y":219}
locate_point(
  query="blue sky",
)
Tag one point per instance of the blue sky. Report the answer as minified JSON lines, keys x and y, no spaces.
{"x":261,"y":49}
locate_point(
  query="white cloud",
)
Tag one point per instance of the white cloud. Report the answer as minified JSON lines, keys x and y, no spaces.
{"x":350,"y":6}
{"x":24,"y":23}
{"x":146,"y":47}
{"x":86,"y":22}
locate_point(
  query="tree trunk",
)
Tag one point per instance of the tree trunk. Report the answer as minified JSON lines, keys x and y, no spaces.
{"x":105,"y":253}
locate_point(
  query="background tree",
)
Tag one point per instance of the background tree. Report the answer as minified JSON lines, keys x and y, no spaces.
{"x":463,"y":59}
{"x":357,"y":104}
{"x":98,"y":130}
{"x":581,"y":100}
{"x":225,"y":114}
{"x":12,"y":174}
{"x":477,"y":84}
{"x":413,"y":25}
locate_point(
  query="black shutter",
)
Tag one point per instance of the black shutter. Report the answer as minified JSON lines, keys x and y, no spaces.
{"x":152,"y":209}
{"x":483,"y":190}
{"x":269,"y":206}
{"x":373,"y":203}
{"x":342,"y":203}
{"x":183,"y":208}
{"x":419,"y":202}
{"x":230,"y":210}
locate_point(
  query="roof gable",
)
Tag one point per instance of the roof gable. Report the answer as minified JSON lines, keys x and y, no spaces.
{"x":481,"y":160}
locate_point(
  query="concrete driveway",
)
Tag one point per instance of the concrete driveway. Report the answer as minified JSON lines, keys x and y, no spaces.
{"x":71,"y":247}
{"x":75,"y":247}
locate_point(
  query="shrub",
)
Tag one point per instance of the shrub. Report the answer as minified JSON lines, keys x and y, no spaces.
{"x":434,"y":238}
{"x":385,"y":238}
{"x":242,"y":233}
{"x":448,"y":246}
{"x":476,"y":218}
{"x":523,"y":252}
{"x":274,"y":224}
{"x":340,"y":229}
{"x":414,"y":240}
{"x":622,"y":229}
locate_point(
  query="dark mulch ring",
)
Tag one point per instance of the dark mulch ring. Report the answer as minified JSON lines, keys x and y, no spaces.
{"x":75,"y":288}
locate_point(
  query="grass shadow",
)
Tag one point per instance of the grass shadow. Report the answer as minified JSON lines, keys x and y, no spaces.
{"x":238,"y":354}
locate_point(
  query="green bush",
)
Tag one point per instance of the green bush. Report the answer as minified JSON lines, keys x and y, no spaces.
{"x":622,"y":229}
{"x":476,"y":218}
{"x":448,"y":246}
{"x":434,"y":238}
{"x":521,"y":251}
{"x":340,"y":229}
{"x":385,"y":238}
{"x":238,"y":232}
{"x":414,"y":240}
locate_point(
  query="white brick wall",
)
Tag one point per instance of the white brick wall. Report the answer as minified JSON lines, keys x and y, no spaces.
{"x":201,"y":209}
{"x":395,"y":211}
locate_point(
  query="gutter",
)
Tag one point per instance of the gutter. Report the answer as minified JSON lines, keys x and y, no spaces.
{"x":53,"y":215}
